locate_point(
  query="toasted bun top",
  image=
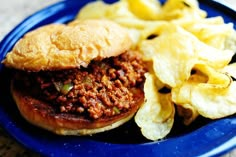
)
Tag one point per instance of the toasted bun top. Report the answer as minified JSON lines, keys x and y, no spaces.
{"x":59,"y":46}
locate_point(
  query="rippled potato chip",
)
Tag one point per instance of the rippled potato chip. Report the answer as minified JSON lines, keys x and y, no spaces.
{"x":181,"y":10}
{"x":214,"y":57}
{"x":212,"y":98}
{"x":181,"y":97}
{"x":213,"y":32}
{"x":90,"y":10}
{"x":216,"y":79}
{"x":173,"y":54}
{"x":145,"y":9}
{"x":230,"y":69}
{"x":188,"y":112}
{"x":156,"y":115}
{"x":213,"y":102}
{"x":100,"y":9}
{"x":182,"y":94}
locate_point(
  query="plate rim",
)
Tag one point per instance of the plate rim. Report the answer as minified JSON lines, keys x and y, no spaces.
{"x":56,"y":7}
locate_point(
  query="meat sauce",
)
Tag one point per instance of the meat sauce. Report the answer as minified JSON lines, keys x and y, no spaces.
{"x":104,"y":88}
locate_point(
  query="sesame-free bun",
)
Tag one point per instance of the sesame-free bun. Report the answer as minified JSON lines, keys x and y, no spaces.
{"x":59,"y":46}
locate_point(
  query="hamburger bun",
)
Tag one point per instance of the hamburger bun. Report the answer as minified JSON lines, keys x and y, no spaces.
{"x":58,"y":46}
{"x":77,"y":45}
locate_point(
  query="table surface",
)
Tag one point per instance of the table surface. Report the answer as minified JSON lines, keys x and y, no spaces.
{"x":12,"y":13}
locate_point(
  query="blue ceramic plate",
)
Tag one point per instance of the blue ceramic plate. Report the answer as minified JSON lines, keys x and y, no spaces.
{"x":204,"y":137}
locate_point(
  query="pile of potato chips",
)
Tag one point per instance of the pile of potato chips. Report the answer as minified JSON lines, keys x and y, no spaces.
{"x":188,"y":53}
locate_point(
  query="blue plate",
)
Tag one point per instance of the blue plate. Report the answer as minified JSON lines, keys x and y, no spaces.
{"x":204,"y":137}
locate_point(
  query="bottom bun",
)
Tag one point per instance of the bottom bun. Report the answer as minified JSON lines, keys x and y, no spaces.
{"x":43,"y":115}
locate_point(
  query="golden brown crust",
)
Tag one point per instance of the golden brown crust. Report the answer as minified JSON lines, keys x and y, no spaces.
{"x":58,"y":46}
{"x":43,"y":115}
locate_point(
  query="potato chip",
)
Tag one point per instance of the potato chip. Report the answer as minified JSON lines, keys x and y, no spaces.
{"x":188,"y":112}
{"x":153,"y":29}
{"x":156,"y":116}
{"x":145,"y":9}
{"x":120,"y":9}
{"x":207,"y":21}
{"x":230,"y":69}
{"x":213,"y":102}
{"x":181,"y":9}
{"x":230,"y":42}
{"x":132,"y":23}
{"x":181,"y":97}
{"x":173,"y":54}
{"x":90,"y":10}
{"x":212,"y":99}
{"x":216,"y":79}
{"x":214,"y":57}
{"x":213,"y":32}
{"x":173,"y":64}
{"x":182,"y":94}
{"x":135,"y":36}
{"x":158,"y":84}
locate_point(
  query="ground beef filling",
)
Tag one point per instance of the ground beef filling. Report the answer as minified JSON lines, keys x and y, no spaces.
{"x":104,"y":88}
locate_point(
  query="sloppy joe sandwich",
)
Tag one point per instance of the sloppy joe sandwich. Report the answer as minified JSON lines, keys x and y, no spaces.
{"x":77,"y":79}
